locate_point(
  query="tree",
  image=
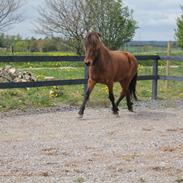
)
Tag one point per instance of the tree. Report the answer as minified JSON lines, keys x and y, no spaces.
{"x":9,"y":13}
{"x":2,"y":40}
{"x":179,"y":30}
{"x":50,"y":45}
{"x":62,"y":18}
{"x":21,"y":46}
{"x":113,"y":20}
{"x":74,"y":18}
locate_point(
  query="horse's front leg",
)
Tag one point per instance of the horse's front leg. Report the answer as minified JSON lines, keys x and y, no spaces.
{"x":112,"y":99}
{"x":90,"y":87}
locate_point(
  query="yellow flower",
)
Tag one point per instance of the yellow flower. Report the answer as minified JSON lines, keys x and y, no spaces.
{"x":55,"y":92}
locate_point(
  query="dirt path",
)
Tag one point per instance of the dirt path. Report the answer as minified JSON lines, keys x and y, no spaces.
{"x":146,"y":146}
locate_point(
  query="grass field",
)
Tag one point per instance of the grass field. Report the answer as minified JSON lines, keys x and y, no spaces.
{"x":52,"y":96}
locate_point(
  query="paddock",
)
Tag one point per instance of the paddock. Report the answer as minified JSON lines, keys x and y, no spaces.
{"x":56,"y":146}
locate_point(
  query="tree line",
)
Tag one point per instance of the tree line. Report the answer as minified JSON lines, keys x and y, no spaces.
{"x":66,"y":23}
{"x":18,"y":44}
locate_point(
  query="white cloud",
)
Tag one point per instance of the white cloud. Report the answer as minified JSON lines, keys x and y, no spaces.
{"x":153,"y":15}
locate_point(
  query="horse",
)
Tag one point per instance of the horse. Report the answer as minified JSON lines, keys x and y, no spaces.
{"x":107,"y":67}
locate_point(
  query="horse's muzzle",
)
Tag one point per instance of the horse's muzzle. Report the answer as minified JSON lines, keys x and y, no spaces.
{"x":88,"y":62}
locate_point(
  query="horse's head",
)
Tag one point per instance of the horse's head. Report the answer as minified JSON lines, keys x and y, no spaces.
{"x":92,"y":48}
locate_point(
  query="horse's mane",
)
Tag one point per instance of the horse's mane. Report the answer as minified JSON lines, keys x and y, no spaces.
{"x":93,"y":38}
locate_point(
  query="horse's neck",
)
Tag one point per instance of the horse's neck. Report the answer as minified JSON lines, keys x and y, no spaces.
{"x":104,"y":55}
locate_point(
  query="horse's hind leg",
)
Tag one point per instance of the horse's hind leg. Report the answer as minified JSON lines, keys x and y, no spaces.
{"x":122,"y":94}
{"x":125,"y":92}
{"x":112,"y":99}
{"x":128,"y":100}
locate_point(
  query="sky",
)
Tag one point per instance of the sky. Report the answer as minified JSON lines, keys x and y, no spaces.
{"x":156,"y":19}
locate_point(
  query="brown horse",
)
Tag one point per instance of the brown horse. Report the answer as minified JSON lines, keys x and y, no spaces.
{"x":107,"y":67}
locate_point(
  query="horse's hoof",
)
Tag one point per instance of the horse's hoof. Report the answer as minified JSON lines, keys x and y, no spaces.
{"x":117,"y":115}
{"x":80,"y":116}
{"x":80,"y":113}
{"x":133,"y":111}
{"x":115,"y":110}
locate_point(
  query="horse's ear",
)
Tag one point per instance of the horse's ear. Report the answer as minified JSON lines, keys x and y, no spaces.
{"x":99,"y":34}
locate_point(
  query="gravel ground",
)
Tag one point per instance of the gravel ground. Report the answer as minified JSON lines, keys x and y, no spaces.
{"x":50,"y":146}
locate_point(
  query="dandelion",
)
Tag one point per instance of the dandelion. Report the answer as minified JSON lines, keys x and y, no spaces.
{"x":140,"y":67}
{"x":55,"y":92}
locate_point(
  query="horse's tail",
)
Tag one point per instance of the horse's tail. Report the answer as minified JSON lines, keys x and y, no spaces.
{"x":132,"y":87}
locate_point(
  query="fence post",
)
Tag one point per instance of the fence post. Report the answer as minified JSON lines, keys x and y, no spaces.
{"x":155,"y":79}
{"x":169,"y":47}
{"x":85,"y":77}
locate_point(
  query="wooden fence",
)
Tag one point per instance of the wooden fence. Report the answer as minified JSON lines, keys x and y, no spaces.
{"x":154,"y":77}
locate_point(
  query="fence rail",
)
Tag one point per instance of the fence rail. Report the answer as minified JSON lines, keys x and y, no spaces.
{"x":40,"y":58}
{"x":172,"y":58}
{"x":154,"y":77}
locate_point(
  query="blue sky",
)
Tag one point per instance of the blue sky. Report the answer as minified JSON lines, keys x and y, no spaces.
{"x":156,"y":18}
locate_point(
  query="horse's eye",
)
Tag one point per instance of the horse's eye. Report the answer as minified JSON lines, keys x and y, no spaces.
{"x":92,"y":51}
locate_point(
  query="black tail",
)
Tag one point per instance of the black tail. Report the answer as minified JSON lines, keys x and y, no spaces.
{"x":132,"y":87}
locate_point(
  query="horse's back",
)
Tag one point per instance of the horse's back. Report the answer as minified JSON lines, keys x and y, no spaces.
{"x":124,"y":64}
{"x":122,"y":56}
